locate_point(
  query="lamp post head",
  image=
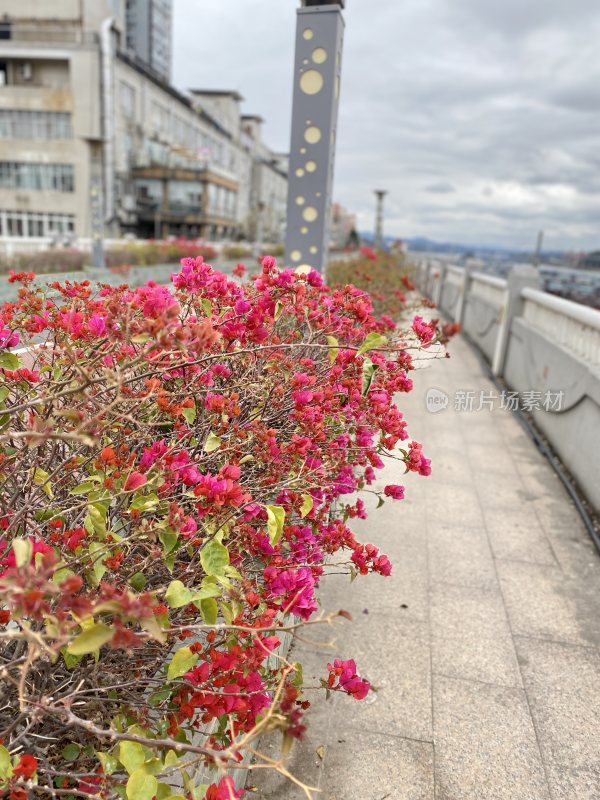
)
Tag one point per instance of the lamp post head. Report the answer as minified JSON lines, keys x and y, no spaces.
{"x":309,"y":3}
{"x":381,"y":193}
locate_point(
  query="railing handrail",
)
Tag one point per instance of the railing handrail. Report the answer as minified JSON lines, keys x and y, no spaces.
{"x":490,"y":280}
{"x":455,"y":270}
{"x":580,"y":313}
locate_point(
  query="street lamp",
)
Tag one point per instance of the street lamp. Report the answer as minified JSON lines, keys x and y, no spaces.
{"x":317,"y":73}
{"x":380,"y":195}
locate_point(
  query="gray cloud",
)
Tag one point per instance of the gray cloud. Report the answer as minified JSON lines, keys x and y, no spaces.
{"x":479,"y":116}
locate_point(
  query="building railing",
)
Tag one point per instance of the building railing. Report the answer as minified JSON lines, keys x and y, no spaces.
{"x":546,"y":350}
{"x":488,"y":288}
{"x":571,"y":325}
{"x":59,"y":36}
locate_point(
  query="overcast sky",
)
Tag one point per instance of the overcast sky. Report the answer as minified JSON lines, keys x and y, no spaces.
{"x":481,"y":117}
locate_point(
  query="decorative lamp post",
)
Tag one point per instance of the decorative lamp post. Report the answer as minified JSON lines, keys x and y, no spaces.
{"x":380,"y":194}
{"x":317,"y":73}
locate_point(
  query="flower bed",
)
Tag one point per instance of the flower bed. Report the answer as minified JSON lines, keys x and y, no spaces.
{"x":177,"y":471}
{"x":385,"y":276}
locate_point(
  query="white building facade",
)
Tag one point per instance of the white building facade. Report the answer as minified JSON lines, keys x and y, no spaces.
{"x":93,"y":141}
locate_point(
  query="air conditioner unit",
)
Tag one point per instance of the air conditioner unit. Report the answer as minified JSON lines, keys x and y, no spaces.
{"x":26,"y":71}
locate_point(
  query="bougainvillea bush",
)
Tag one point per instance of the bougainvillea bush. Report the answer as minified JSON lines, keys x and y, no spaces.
{"x":177,"y":470}
{"x":385,"y":275}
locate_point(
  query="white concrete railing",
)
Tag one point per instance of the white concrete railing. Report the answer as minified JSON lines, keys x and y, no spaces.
{"x":455,"y":276}
{"x":573,"y":326}
{"x":488,"y":288}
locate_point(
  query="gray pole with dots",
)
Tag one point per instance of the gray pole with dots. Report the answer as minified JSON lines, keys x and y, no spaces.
{"x":317,"y":72}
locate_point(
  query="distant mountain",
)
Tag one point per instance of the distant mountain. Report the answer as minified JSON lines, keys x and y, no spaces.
{"x":423,"y":244}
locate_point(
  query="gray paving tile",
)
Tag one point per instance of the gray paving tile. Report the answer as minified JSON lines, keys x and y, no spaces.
{"x":393,"y":653}
{"x":562,"y":685}
{"x":355,"y":765}
{"x":470,"y":637}
{"x":458,"y":504}
{"x":543,"y":602}
{"x":460,"y":555}
{"x":485,"y":744}
{"x":518,"y":536}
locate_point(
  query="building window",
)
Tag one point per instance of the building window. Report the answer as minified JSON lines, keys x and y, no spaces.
{"x":18,"y":124}
{"x":36,"y":176}
{"x":127,"y":93}
{"x":34,"y":223}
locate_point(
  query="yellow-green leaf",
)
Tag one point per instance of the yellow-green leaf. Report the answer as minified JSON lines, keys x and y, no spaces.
{"x":141,"y":785}
{"x":372,"y":340}
{"x":212,"y":443}
{"x":307,"y":505}
{"x":214,"y":557}
{"x":23,"y":550}
{"x":209,"y":610}
{"x":131,"y":755}
{"x":90,"y":640}
{"x":275,"y":520}
{"x":9,"y":361}
{"x":178,"y":595}
{"x":40,"y":478}
{"x":334,"y":348}
{"x":5,"y":765}
{"x":182,"y":662}
{"x":190,"y":415}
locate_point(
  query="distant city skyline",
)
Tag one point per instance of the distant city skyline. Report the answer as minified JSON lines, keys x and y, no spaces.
{"x":478,"y":117}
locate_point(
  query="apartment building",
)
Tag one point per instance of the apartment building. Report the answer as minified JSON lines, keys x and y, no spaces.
{"x":94,"y":141}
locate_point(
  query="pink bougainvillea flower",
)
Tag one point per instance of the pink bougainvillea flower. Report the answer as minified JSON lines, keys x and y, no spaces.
{"x":135,"y":481}
{"x":394,"y":491}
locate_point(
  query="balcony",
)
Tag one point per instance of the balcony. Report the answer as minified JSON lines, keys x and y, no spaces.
{"x":47,"y":36}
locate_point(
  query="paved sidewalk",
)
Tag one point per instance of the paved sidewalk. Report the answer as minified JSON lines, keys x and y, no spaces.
{"x":485,"y":642}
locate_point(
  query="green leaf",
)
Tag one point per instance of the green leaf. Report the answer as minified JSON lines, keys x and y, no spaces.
{"x":9,"y":361}
{"x":70,"y":661}
{"x":90,"y":640}
{"x":99,"y":569}
{"x":182,"y":662}
{"x":160,"y":695}
{"x":178,"y":595}
{"x":207,"y":306}
{"x":209,"y":610}
{"x":141,"y":785}
{"x":275,"y":520}
{"x":95,"y":521}
{"x":199,"y":792}
{"x":307,"y":505}
{"x":334,"y":348}
{"x":131,"y":755}
{"x":368,"y":373}
{"x":109,"y":763}
{"x":4,"y":392}
{"x":84,"y":488}
{"x":71,"y":751}
{"x":278,"y":310}
{"x":298,"y":674}
{"x":190,"y":415}
{"x":23,"y":550}
{"x":5,"y":765}
{"x":40,"y":478}
{"x":212,"y":443}
{"x":168,"y":540}
{"x":144,"y":502}
{"x":372,"y":341}
{"x":214,"y":557}
{"x":138,"y":581}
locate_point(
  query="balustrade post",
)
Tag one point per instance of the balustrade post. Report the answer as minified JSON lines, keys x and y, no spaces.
{"x":521,"y":276}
